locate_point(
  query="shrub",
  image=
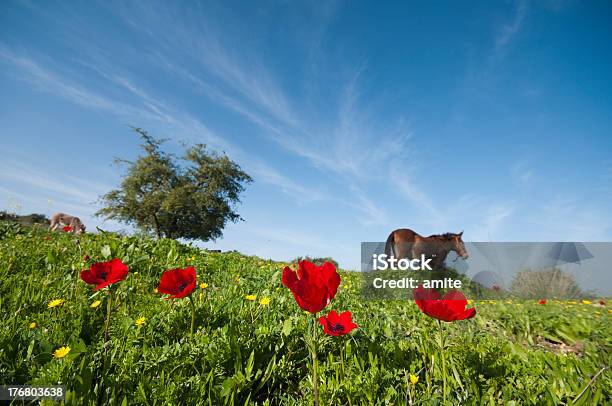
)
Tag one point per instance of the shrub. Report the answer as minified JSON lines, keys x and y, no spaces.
{"x":545,"y":284}
{"x":27,"y":220}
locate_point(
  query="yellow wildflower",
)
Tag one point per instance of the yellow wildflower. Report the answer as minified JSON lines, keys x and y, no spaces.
{"x":61,"y":352}
{"x":155,"y":290}
{"x":33,"y":325}
{"x":414,"y":379}
{"x":140,"y":321}
{"x":251,"y":297}
{"x":55,"y":303}
{"x":468,"y":302}
{"x":95,"y":304}
{"x":203,"y":285}
{"x":587,"y":302}
{"x":264,"y":301}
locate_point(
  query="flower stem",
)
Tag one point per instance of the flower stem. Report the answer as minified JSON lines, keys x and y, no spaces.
{"x":109,"y":307}
{"x":192,"y":313}
{"x":342,"y":354}
{"x":313,"y":350}
{"x":443,"y":358}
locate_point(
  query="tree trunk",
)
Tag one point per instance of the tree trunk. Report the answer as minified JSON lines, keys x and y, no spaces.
{"x":157,"y":229}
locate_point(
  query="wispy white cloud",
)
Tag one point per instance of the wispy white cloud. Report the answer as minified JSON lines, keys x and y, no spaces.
{"x":511,"y":29}
{"x":300,"y":192}
{"x":27,"y":190}
{"x":401,"y":177}
{"x":491,"y":225}
{"x":352,"y":146}
{"x":522,"y":172}
{"x":71,"y":187}
{"x":155,"y":111}
{"x":372,"y":214}
{"x":571,"y":218}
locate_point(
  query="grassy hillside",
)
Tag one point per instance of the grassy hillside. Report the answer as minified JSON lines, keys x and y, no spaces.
{"x":512,"y":352}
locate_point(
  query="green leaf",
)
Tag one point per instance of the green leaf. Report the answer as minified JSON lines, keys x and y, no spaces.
{"x":287,"y":327}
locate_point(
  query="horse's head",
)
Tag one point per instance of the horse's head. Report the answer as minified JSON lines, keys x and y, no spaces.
{"x":81,"y":229}
{"x":458,"y":246}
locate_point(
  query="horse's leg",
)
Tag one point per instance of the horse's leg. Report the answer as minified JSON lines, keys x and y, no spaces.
{"x":53,"y":222}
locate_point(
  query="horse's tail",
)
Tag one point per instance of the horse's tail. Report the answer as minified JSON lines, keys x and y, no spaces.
{"x":389,"y":245}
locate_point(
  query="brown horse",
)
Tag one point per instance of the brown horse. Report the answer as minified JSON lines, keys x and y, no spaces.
{"x":63,"y":219}
{"x":405,"y":243}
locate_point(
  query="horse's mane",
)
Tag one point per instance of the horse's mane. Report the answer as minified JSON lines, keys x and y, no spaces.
{"x":447,"y":236}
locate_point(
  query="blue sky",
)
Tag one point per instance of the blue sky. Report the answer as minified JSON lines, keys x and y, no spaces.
{"x":353,"y":119}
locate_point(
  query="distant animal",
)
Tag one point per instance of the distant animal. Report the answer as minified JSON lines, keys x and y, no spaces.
{"x":405,"y":243}
{"x":66,"y":220}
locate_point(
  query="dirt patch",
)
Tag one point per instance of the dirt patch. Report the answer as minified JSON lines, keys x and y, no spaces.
{"x":560,"y":348}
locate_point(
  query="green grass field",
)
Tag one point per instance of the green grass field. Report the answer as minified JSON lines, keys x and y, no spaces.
{"x":513,"y":352}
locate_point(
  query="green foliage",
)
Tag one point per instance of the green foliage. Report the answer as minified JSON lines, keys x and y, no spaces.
{"x":192,"y":201}
{"x":243,"y":352}
{"x":316,"y":260}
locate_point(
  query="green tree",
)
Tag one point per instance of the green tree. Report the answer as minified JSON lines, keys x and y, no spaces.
{"x":191,"y":197}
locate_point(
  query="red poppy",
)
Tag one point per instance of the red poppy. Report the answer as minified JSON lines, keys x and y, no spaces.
{"x":67,"y":229}
{"x":103,"y":274}
{"x":313,"y":286}
{"x":178,"y":282}
{"x":337,"y":325}
{"x":496,"y":287}
{"x":86,"y":258}
{"x":542,"y":301}
{"x":602,"y":302}
{"x":449,"y":308}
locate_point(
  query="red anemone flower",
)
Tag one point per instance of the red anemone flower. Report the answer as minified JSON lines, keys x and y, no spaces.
{"x":449,"y":308}
{"x":542,"y":301}
{"x":67,"y":229}
{"x":602,"y":302}
{"x":337,"y":325}
{"x":313,"y":286}
{"x":103,"y":274}
{"x":178,"y":282}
